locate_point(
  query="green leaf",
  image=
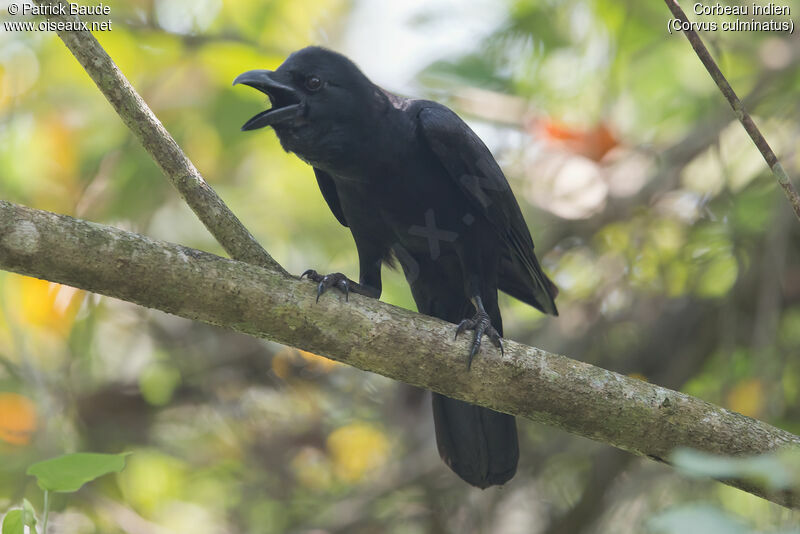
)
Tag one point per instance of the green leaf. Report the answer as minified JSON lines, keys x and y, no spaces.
{"x":12,"y":523}
{"x":771,"y":470}
{"x":696,"y":519}
{"x":69,"y":472}
{"x":29,"y":515}
{"x":158,"y":383}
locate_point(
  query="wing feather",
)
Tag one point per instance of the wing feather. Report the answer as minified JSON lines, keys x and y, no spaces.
{"x":328,"y":188}
{"x":470,"y":163}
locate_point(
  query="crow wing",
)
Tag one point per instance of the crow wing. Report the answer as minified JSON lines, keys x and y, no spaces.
{"x":468,"y":162}
{"x":328,"y":188}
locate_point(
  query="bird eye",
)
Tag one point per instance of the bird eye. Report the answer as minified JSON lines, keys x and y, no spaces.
{"x":313,"y":83}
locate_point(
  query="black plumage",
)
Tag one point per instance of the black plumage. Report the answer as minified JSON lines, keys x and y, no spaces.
{"x":413,"y":182}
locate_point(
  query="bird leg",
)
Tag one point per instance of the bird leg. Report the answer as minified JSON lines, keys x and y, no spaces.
{"x":338,"y":281}
{"x":481,"y":324}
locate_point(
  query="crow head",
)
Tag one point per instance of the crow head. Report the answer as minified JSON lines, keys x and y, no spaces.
{"x":317,"y":95}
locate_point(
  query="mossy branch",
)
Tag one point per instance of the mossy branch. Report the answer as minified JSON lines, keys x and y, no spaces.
{"x":627,"y":413}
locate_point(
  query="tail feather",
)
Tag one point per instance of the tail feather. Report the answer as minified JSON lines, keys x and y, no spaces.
{"x":530,"y":285}
{"x":478,"y":444}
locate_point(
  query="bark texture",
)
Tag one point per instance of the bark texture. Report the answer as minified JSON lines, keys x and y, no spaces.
{"x":627,"y":413}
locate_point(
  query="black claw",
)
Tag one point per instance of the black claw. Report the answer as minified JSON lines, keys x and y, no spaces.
{"x":344,"y":286}
{"x":320,"y":289}
{"x":463,"y":325}
{"x":476,"y":345}
{"x":482,"y":326}
{"x":337,"y":280}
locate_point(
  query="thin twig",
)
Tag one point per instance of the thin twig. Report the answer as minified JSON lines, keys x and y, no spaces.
{"x":223,"y":224}
{"x":749,"y":126}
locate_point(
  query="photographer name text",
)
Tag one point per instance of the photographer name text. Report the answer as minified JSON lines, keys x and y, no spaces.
{"x":71,"y":9}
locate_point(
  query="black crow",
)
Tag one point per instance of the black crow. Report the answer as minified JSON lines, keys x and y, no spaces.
{"x":413,"y":182}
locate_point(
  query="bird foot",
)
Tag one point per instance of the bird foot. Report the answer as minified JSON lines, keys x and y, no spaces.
{"x":327,"y":281}
{"x":481,"y":324}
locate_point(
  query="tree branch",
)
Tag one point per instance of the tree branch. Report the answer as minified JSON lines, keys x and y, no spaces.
{"x":752,"y":130}
{"x":223,"y":224}
{"x":630,"y":414}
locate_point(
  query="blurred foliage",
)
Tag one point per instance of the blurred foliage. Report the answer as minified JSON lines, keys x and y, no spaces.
{"x":65,"y":474}
{"x":774,"y":472}
{"x":700,"y":519}
{"x":16,"y":520}
{"x":68,"y":473}
{"x":17,"y":418}
{"x":675,"y":254}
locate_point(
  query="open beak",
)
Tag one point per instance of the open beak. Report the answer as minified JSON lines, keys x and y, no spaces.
{"x":286,"y":102}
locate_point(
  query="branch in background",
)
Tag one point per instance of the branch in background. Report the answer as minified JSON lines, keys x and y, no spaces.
{"x":630,"y":414}
{"x":738,"y":108}
{"x":223,"y":224}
